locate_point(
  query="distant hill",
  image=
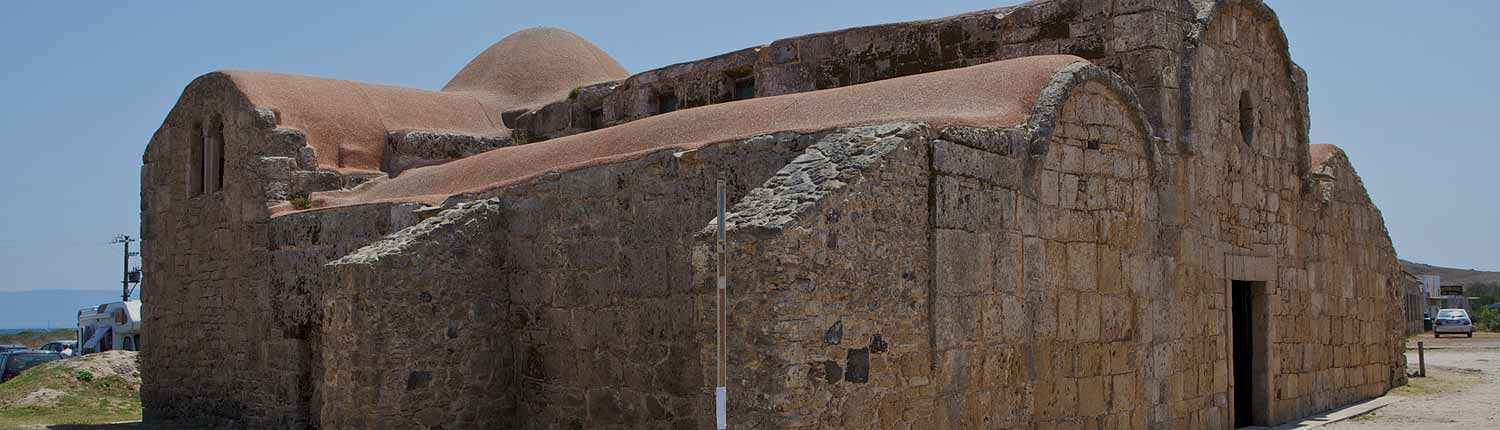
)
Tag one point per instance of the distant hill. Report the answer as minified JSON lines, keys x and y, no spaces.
{"x":38,"y":308}
{"x":1481,"y":285}
{"x":35,"y":339}
{"x":1453,"y":276}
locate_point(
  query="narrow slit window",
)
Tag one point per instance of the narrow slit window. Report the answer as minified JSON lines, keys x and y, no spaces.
{"x":666,"y":102}
{"x":1247,"y":119}
{"x":195,"y":160}
{"x":216,"y":147}
{"x":744,"y":89}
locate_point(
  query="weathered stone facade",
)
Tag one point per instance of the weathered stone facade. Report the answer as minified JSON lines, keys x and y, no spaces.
{"x":1080,"y":268}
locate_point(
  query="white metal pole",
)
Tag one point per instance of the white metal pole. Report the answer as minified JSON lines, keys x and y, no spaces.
{"x":721,"y":393}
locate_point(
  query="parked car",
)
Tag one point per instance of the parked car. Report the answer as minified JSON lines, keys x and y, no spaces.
{"x":1450,"y":321}
{"x":59,"y":346}
{"x":9,"y":348}
{"x":14,"y":362}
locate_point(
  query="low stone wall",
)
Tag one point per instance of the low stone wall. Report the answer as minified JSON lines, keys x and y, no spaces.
{"x":828,"y":290}
{"x":401,"y":346}
{"x":1139,"y":40}
{"x":410,"y":149}
{"x":574,"y":289}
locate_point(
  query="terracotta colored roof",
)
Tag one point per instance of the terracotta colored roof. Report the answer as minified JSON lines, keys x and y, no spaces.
{"x":535,"y":66}
{"x":1321,"y":152}
{"x":346,"y":122}
{"x":994,"y":94}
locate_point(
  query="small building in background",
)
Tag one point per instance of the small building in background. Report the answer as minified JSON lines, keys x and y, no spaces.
{"x":1441,"y":296}
{"x":1416,"y":304}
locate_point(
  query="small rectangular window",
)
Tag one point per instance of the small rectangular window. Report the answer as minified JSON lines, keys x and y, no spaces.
{"x":666,"y":102}
{"x":744,"y":89}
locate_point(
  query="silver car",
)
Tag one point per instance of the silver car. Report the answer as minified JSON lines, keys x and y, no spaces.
{"x":58,"y":346}
{"x":1451,"y":321}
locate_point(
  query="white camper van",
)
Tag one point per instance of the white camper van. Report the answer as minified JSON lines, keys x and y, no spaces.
{"x":109,"y":327}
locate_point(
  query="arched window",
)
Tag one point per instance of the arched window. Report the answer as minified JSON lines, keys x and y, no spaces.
{"x":1247,"y":118}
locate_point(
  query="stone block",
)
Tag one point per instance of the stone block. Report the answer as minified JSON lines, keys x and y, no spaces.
{"x":1083,"y":266}
{"x":1088,"y":316}
{"x":1092,"y":396}
{"x":950,"y":158}
{"x":1067,"y":397}
{"x":963,"y":262}
{"x":1016,"y":319}
{"x":963,"y":204}
{"x":1065,"y":313}
{"x":956,"y":321}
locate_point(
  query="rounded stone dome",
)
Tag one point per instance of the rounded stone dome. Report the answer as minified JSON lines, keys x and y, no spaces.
{"x":535,"y":66}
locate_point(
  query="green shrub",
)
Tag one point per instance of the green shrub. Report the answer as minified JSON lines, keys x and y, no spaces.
{"x":1487,"y":320}
{"x":83,"y":376}
{"x":301,"y":202}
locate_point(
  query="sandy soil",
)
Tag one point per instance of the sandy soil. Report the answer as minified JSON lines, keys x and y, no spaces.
{"x":1462,"y":390}
{"x":125,"y":364}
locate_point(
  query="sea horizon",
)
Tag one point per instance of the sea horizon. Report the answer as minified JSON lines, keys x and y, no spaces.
{"x":36,"y":329}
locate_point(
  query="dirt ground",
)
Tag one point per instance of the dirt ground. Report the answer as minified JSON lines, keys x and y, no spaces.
{"x":1461,"y":390}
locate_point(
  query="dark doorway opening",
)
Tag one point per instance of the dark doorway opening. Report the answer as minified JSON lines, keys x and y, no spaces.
{"x":744,"y":89}
{"x":1242,"y":318}
{"x":666,"y":102}
{"x":596,"y":119}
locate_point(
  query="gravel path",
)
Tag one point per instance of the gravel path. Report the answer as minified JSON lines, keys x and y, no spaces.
{"x":1462,"y":391}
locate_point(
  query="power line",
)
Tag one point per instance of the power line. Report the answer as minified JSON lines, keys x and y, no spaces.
{"x":130,"y":276}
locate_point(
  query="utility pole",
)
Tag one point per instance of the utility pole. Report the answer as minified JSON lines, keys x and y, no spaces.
{"x":129,"y":276}
{"x":721,"y":392}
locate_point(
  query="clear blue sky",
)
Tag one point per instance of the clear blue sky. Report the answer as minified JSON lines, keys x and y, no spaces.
{"x":1401,"y":85}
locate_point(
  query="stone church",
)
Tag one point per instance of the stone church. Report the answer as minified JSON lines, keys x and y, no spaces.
{"x":1061,"y":214}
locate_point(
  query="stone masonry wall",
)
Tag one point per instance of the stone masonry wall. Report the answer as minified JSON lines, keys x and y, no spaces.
{"x":827,"y":289}
{"x":232,"y":298}
{"x":559,"y":302}
{"x":1248,"y":217}
{"x":1076,"y":257}
{"x":1359,"y":292}
{"x":401,"y":341}
{"x":1067,"y":273}
{"x":1058,"y":287}
{"x":201,"y":251}
{"x":949,"y":285}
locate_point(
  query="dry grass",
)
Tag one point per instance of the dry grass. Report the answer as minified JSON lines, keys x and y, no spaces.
{"x":104,"y":398}
{"x":1438,"y":380}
